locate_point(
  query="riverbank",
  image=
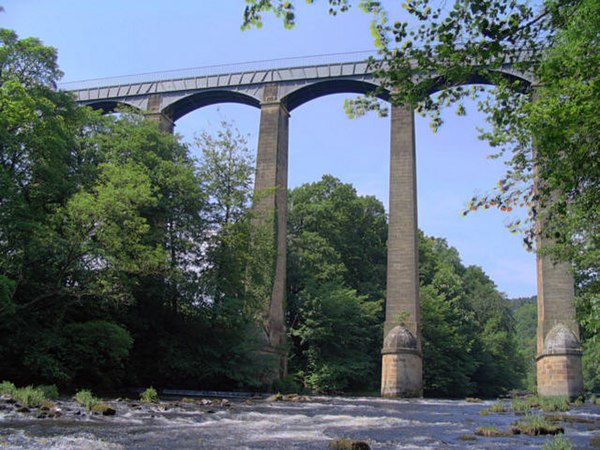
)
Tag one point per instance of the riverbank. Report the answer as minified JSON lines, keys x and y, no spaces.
{"x":286,"y":423}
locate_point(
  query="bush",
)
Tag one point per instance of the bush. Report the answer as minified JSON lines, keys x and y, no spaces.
{"x":29,"y":396}
{"x":97,"y":352}
{"x":50,"y":391}
{"x":87,"y":399}
{"x":7,"y":388}
{"x":149,"y":395}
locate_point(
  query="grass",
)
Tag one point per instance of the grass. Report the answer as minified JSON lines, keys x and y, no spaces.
{"x":554,"y":403}
{"x":559,"y":442}
{"x":87,"y":399}
{"x":28,"y":396}
{"x":536,"y":425}
{"x":149,"y":396}
{"x":7,"y":388}
{"x":520,"y":405}
{"x":498,"y":407}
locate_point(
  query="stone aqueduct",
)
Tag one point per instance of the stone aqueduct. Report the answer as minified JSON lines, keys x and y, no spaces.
{"x":166,"y":97}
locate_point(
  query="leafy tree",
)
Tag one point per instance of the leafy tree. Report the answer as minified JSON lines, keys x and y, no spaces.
{"x":336,"y":333}
{"x":336,"y":279}
{"x":226,"y":169}
{"x":525,"y":313}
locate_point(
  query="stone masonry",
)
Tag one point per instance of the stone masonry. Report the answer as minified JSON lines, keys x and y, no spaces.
{"x":401,"y":357}
{"x":270,"y":189}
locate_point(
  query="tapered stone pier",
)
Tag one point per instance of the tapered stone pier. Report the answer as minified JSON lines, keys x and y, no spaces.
{"x":401,"y":354}
{"x":270,"y":209}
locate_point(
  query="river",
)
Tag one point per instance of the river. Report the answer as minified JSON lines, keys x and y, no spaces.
{"x":259,"y":424}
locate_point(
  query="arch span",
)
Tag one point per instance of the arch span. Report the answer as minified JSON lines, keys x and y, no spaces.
{"x":110,"y":106}
{"x":335,"y":86}
{"x":199,"y":100}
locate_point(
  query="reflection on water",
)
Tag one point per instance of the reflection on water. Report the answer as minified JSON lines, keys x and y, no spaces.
{"x":383,"y":423}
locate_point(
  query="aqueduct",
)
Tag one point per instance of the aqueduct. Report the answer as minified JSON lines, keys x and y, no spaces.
{"x":168,"y":96}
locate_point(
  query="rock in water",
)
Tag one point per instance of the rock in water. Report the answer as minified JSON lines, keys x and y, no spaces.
{"x":348,"y":444}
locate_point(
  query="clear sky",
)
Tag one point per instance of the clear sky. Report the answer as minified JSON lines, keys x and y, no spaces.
{"x":102,"y":38}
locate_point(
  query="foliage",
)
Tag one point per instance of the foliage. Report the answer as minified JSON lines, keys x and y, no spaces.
{"x":109,"y":244}
{"x":50,"y":391}
{"x":97,"y":351}
{"x":525,"y":314}
{"x":535,"y":425}
{"x":335,"y":333}
{"x":226,"y":169}
{"x":554,"y":403}
{"x":149,"y":395}
{"x":336,"y":274}
{"x":85,"y":398}
{"x":7,"y":388}
{"x":29,"y":396}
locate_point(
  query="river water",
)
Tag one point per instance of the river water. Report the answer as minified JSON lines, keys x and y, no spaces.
{"x":311,"y":424}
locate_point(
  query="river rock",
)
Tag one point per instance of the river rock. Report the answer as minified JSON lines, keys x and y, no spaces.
{"x":275,"y":398}
{"x":348,"y":444}
{"x":104,"y":409}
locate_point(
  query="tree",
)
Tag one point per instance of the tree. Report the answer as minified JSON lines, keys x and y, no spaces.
{"x":336,"y":282}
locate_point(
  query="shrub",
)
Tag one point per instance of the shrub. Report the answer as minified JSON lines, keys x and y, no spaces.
{"x":87,"y":399}
{"x":149,"y":395}
{"x":7,"y":388}
{"x":97,"y":352}
{"x":498,"y":407}
{"x":29,"y":396}
{"x":50,"y":391}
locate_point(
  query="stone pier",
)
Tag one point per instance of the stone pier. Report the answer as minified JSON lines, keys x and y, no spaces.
{"x":559,"y":370}
{"x":401,"y":354}
{"x":270,"y":209}
{"x":155,"y":113}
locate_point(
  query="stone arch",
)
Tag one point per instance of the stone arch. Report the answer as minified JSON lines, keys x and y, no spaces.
{"x":313,"y":91}
{"x":185,"y":105}
{"x":440,"y":83}
{"x":110,"y":106}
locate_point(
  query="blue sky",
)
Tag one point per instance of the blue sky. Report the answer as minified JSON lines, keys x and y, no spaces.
{"x":102,"y":38}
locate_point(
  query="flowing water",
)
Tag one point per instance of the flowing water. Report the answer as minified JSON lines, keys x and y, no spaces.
{"x":311,"y":424}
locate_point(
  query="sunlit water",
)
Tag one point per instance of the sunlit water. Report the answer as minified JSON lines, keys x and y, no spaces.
{"x":382,"y":423}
